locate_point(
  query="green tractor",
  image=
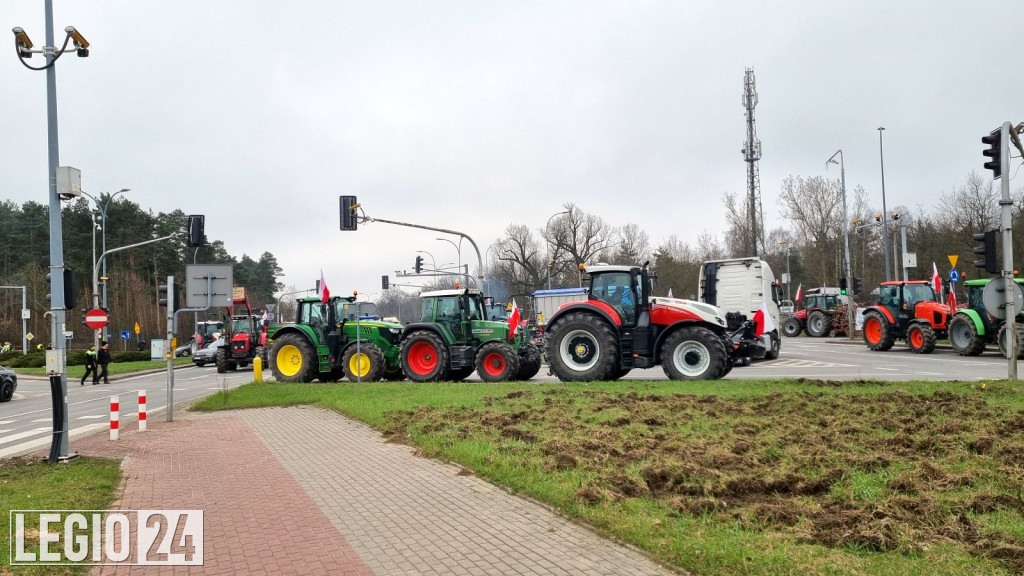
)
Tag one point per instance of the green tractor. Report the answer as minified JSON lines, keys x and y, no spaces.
{"x":453,"y":339}
{"x":972,"y":328}
{"x":321,"y":344}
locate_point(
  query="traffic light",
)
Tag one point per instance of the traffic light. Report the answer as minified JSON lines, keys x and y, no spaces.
{"x":348,"y":213}
{"x":384,"y":282}
{"x":994,"y":151}
{"x":419,"y":264}
{"x":987,"y":250}
{"x":170,"y":293}
{"x":196,"y":230}
{"x":842,"y":285}
{"x":69,"y":288}
{"x":856,"y":285}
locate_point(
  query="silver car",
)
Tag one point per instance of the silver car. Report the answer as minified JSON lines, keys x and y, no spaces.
{"x":8,"y":384}
{"x":206,"y":355}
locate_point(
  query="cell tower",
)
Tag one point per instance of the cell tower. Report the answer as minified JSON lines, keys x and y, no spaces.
{"x":751,"y":154}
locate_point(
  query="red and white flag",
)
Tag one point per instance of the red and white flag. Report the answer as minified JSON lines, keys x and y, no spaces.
{"x":936,"y":280}
{"x":763,"y":320}
{"x":513,"y":320}
{"x":952,"y":302}
{"x":322,"y":290}
{"x":670,"y":293}
{"x":799,"y":292}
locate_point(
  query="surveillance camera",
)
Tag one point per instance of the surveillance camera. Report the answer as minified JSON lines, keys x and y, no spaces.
{"x":23,"y":41}
{"x":81,"y":44}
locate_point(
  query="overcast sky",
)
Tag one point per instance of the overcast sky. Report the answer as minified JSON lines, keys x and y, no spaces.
{"x":476,"y":114}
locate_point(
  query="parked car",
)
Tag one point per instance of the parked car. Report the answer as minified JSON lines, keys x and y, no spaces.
{"x":184,"y":349}
{"x":786,"y":308}
{"x":207,"y":355}
{"x":8,"y":384}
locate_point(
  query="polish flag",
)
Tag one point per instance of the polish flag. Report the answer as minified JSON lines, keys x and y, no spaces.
{"x":763,"y":320}
{"x":670,"y":293}
{"x":322,"y":290}
{"x":513,"y":320}
{"x":952,"y":302}
{"x":936,"y":280}
{"x":799,"y":292}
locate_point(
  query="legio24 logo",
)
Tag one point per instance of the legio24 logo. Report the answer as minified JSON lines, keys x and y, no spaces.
{"x":107,"y":537}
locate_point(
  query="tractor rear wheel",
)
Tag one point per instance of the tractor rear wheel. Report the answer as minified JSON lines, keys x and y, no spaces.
{"x":964,"y":337}
{"x":366,"y":366}
{"x":582,"y":347}
{"x":877,"y":331}
{"x":497,"y":362}
{"x":694,"y":353}
{"x":819,"y":324}
{"x":292,"y":359}
{"x":425,"y":357}
{"x":1002,"y":341}
{"x":529,"y":361}
{"x":921,"y":338}
{"x":791,"y":327}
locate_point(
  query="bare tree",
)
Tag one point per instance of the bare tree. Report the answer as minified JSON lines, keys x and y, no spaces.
{"x":632,"y":246}
{"x":741,"y":235}
{"x":577,"y":238}
{"x":814,"y":206}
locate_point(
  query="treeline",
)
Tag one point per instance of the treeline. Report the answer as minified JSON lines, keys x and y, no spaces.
{"x":134,"y":274}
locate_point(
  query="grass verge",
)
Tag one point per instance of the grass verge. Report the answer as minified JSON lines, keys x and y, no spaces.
{"x":744,"y":477}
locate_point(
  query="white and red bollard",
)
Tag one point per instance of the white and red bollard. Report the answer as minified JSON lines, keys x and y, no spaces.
{"x":115,"y":408}
{"x":142,"y":410}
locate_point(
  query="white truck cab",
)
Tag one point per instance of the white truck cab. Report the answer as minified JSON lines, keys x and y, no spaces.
{"x":740,"y":286}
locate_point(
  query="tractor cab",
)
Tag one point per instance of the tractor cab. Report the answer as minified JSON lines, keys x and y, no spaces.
{"x":905,"y":310}
{"x":902,"y":298}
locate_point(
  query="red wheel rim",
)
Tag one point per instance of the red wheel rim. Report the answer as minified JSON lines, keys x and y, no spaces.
{"x":873,"y":330}
{"x":422,"y":358}
{"x":916,"y":338}
{"x":494,"y":364}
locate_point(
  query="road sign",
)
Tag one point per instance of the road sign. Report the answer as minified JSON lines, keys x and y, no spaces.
{"x":952,"y":259}
{"x":137,"y":328}
{"x":954,"y":276}
{"x":96,"y":318}
{"x":125,"y":335}
{"x":29,"y":336}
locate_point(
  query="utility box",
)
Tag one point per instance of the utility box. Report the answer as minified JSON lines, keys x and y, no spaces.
{"x":69,"y":182}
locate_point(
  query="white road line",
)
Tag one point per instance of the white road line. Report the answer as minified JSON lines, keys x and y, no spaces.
{"x":43,"y":420}
{"x":4,"y":431}
{"x":94,"y":417}
{"x":31,"y":445}
{"x":7,"y":421}
{"x":19,"y":436}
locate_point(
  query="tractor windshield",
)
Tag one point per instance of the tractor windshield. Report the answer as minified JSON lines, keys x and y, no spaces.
{"x":617,"y":290}
{"x":239,"y":325}
{"x":914,"y":293}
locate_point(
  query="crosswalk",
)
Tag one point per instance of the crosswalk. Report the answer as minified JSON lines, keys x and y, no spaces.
{"x":796,"y":363}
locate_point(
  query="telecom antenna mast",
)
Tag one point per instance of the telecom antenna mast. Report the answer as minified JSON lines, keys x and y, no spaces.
{"x":751,"y":154}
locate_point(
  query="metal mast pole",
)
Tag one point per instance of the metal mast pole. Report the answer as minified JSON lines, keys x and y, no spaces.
{"x":751,"y":154}
{"x":885,"y":227}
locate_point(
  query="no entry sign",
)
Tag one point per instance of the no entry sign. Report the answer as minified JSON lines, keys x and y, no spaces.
{"x":96,"y":318}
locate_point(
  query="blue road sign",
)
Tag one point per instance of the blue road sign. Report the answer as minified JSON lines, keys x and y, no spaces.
{"x":125,"y":335}
{"x":954,"y":276}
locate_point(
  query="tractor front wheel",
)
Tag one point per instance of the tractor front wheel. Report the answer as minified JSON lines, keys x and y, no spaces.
{"x":819,"y":324}
{"x":497,"y":362}
{"x":1003,"y":344}
{"x":222,"y":360}
{"x":792,"y":327}
{"x":921,"y":338}
{"x":366,"y":366}
{"x":964,"y":337}
{"x":582,"y":347}
{"x":877,"y":331}
{"x":694,"y":353}
{"x":292,"y":359}
{"x":425,"y":357}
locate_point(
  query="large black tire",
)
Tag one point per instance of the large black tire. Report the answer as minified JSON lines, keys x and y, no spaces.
{"x":425,"y":357}
{"x":819,"y":324}
{"x":964,"y":337}
{"x":694,"y":353}
{"x":497,"y":361}
{"x":775,"y":349}
{"x":792,"y":327}
{"x":293,"y":359}
{"x":582,"y":347}
{"x":6,"y":390}
{"x":367,"y":366}
{"x":877,"y":331}
{"x":529,"y":361}
{"x":921,"y":338}
{"x":222,"y":360}
{"x":1001,"y":339}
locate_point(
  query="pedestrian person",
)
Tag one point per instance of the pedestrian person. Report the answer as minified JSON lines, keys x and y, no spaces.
{"x":104,"y":359}
{"x":6,"y":348}
{"x":90,"y":364}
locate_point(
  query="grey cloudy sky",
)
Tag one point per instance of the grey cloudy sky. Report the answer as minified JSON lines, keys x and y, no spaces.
{"x":472,"y":115}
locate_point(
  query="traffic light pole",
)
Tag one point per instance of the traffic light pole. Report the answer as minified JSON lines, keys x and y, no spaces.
{"x":1006,"y":217}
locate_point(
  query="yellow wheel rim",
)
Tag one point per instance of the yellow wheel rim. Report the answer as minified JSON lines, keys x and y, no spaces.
{"x":289,"y":360}
{"x":359,"y":364}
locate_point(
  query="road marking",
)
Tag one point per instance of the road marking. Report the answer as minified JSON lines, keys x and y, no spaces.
{"x":794,"y":363}
{"x":4,"y":431}
{"x":7,"y":421}
{"x":19,"y":436}
{"x":94,"y":417}
{"x":31,"y":445}
{"x":43,"y":420}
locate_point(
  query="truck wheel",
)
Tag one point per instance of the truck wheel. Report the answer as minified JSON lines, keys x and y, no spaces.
{"x":819,"y":324}
{"x":529,"y":361}
{"x":292,"y":359}
{"x":877,"y":331}
{"x":921,"y":338}
{"x":791,"y":327}
{"x":1002,"y":341}
{"x":222,"y":360}
{"x":964,"y":337}
{"x":497,"y":362}
{"x":425,"y":357}
{"x":6,"y":390}
{"x":582,"y":347}
{"x":776,"y":348}
{"x":694,"y":353}
{"x":366,"y":366}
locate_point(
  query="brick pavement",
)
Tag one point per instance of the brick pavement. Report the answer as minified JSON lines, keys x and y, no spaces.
{"x":302,"y":490}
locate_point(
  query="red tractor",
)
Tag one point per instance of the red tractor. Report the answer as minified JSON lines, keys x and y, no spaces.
{"x":816,"y":317}
{"x":621,"y":326}
{"x":244,"y":338}
{"x":907,"y":310}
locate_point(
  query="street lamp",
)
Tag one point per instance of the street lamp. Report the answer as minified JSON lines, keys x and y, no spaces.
{"x":103,"y":217}
{"x":846,"y":232}
{"x":885,"y":228}
{"x":547,"y":244}
{"x":458,"y":248}
{"x":789,"y":277}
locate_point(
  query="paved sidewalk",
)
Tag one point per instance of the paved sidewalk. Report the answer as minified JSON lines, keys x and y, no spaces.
{"x":306,"y":491}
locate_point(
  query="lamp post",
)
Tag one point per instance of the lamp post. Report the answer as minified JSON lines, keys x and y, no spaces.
{"x":103,"y":219}
{"x":547,"y":244}
{"x":885,"y":228}
{"x":846,"y":234}
{"x":789,"y":277}
{"x":458,"y":248}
